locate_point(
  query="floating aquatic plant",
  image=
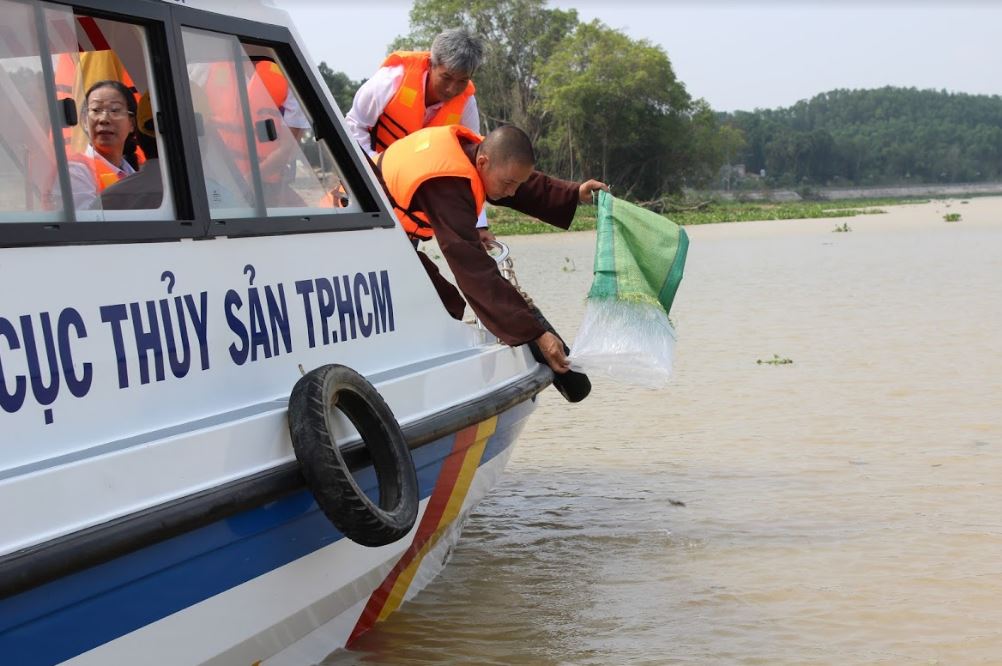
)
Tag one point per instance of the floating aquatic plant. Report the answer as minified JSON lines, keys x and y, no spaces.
{"x":775,"y":360}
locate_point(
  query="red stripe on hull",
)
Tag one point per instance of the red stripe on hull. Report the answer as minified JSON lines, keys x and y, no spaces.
{"x":440,"y":496}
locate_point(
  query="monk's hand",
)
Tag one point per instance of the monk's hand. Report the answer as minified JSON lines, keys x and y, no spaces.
{"x":553,"y":351}
{"x":586,"y":192}
{"x":486,"y":236}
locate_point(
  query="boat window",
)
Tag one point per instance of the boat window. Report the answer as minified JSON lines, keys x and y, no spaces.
{"x":260,"y":153}
{"x":104,"y":109}
{"x":29,"y":190}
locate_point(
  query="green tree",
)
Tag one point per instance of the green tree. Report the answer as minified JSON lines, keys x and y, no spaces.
{"x":712,"y":145}
{"x":889,"y":135}
{"x":342,"y":88}
{"x":618,"y":108}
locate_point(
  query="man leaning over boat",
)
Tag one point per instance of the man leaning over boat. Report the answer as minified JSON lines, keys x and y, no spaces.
{"x":438,"y":180}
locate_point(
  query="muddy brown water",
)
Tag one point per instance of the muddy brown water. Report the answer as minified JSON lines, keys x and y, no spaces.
{"x":845,"y":508}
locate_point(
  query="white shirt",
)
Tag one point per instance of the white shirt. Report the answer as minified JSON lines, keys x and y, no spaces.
{"x":375,"y":94}
{"x":82,"y":178}
{"x":292,"y":113}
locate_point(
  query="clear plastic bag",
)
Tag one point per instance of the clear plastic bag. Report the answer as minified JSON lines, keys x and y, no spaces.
{"x":627,"y":341}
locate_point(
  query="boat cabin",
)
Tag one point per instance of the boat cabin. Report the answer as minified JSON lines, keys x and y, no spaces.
{"x":186,"y":230}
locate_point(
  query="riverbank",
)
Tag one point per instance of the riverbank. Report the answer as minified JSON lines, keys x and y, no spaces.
{"x":506,"y":222}
{"x":927,"y":190}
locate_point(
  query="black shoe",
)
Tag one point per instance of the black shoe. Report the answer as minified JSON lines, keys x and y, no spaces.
{"x":574,"y":386}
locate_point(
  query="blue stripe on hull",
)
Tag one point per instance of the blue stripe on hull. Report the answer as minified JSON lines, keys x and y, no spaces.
{"x":69,"y":616}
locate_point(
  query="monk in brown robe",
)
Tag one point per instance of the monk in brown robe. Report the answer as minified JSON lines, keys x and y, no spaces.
{"x":505,"y":164}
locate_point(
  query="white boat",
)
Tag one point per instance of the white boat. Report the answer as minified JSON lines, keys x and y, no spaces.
{"x":154,"y":510}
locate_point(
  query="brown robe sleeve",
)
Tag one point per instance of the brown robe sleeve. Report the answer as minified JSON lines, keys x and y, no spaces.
{"x":451,"y":210}
{"x":451,"y":298}
{"x":545,"y":198}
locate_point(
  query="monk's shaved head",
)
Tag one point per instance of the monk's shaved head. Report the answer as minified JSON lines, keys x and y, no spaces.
{"x":508,"y":144}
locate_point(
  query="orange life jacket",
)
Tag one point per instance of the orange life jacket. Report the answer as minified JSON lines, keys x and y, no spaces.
{"x":228,"y":118}
{"x":104,"y":175}
{"x":273,"y":80}
{"x":404,"y":114}
{"x":429,"y":153}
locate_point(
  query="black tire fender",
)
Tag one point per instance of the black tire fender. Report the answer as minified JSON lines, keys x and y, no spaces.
{"x":314,"y":401}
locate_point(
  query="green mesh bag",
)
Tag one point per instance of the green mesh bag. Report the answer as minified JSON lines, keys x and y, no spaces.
{"x":639,"y":260}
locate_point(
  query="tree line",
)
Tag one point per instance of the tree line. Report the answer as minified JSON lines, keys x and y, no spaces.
{"x":600,"y":104}
{"x":595,"y":102}
{"x":884,"y":136}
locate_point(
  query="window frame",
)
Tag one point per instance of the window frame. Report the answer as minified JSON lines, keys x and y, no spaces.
{"x":163,"y":23}
{"x":154,"y":18}
{"x":307,"y":87}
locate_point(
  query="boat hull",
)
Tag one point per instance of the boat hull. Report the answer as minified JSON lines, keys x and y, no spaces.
{"x":275,"y":581}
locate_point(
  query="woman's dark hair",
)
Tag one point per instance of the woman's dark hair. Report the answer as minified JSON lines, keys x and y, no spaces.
{"x":129,"y":151}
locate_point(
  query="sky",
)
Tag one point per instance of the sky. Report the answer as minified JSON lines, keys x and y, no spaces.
{"x":736,"y":55}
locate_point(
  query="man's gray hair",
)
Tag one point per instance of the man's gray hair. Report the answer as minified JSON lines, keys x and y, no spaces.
{"x":458,"y":50}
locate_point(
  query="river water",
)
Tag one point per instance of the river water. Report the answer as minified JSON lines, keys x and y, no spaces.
{"x":845,"y":508}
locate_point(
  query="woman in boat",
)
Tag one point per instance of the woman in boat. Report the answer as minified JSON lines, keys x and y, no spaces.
{"x":109,"y":114}
{"x":144,"y":189}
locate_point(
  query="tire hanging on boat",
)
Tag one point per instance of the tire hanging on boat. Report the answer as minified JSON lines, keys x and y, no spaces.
{"x":312,"y":406}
